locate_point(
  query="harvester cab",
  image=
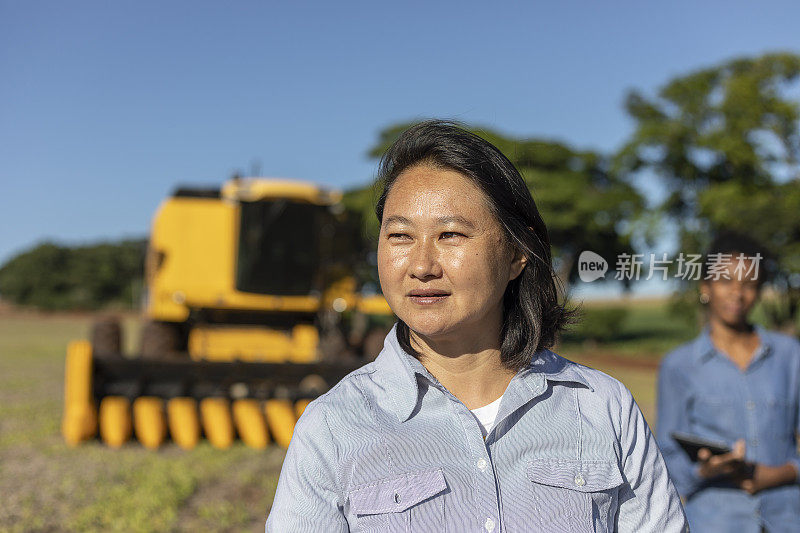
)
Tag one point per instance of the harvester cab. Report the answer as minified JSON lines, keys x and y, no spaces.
{"x":252,"y":309}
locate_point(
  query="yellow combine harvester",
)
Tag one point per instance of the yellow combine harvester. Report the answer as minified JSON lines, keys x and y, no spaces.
{"x":252,"y":310}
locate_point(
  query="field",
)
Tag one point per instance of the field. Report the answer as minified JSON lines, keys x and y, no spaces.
{"x":48,"y":486}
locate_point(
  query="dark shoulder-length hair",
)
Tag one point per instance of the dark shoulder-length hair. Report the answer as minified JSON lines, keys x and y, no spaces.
{"x":532,"y":313}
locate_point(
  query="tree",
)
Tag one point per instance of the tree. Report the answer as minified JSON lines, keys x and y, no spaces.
{"x":585,"y":205}
{"x":725,"y":142}
{"x":50,"y":276}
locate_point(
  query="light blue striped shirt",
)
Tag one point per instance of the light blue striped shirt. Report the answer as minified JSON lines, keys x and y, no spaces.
{"x":390,"y":449}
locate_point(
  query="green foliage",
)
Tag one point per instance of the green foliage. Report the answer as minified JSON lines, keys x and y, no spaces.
{"x":727,"y":123}
{"x":770,"y":213}
{"x":600,"y":325}
{"x":584,"y":203}
{"x":50,"y":276}
{"x":643,"y":330}
{"x":726,"y":143}
{"x":361,"y":202}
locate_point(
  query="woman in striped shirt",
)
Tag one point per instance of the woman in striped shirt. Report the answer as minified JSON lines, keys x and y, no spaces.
{"x":467,"y":421}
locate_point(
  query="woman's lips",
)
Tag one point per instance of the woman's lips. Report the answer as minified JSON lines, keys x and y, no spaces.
{"x":427,"y":297}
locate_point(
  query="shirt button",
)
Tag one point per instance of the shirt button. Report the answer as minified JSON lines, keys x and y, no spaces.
{"x":482,"y":464}
{"x":489,"y":525}
{"x":579,"y":480}
{"x":750,"y":405}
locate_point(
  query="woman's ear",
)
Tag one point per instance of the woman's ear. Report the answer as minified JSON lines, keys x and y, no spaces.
{"x":518,"y":264}
{"x":705,"y":292}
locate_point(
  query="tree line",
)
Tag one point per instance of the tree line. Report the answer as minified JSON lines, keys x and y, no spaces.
{"x":723,"y":142}
{"x":55,"y":277}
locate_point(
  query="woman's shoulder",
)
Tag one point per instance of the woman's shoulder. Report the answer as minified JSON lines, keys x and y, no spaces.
{"x":682,"y":354}
{"x":610,"y":387}
{"x":599,"y":385}
{"x":605,"y":401}
{"x":346,"y":389}
{"x":343,"y":399}
{"x":782,"y":341}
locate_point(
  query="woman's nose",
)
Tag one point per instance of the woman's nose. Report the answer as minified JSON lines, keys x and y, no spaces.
{"x":736,"y":289}
{"x":425,"y":261}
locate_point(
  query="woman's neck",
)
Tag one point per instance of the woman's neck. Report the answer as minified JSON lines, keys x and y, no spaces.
{"x":739,"y":342}
{"x":730,"y":333}
{"x":475,"y":376}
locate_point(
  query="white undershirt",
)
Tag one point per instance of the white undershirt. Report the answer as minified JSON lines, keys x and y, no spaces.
{"x":486,"y":415}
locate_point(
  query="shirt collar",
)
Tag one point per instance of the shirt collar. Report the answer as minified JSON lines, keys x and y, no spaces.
{"x":705,"y":349}
{"x":399,"y":372}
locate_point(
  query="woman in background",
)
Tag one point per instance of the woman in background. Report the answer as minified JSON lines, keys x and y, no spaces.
{"x":739,"y":384}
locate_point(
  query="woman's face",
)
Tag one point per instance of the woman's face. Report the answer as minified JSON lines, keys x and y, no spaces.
{"x":443,"y":260}
{"x":731,"y":300}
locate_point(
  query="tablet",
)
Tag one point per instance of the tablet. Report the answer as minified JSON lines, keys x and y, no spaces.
{"x":691,"y":444}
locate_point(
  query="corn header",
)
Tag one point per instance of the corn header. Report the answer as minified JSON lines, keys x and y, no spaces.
{"x":252,"y":310}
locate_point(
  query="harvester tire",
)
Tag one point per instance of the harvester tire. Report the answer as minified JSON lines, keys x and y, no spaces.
{"x":333,"y":347}
{"x":160,"y":340}
{"x":106,"y":337}
{"x":313,"y":385}
{"x":373,"y":343}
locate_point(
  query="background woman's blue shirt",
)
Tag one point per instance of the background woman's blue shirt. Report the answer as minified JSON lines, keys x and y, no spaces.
{"x":702,"y":392}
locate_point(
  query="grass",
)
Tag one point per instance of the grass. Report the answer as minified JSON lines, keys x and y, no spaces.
{"x":48,"y":486}
{"x":646,"y":329}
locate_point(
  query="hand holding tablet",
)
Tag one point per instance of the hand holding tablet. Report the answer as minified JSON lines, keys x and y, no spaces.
{"x":692,"y":444}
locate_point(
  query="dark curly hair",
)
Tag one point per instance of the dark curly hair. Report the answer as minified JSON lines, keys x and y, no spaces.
{"x":731,"y":242}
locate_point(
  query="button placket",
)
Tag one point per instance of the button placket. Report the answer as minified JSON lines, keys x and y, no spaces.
{"x":486,"y":498}
{"x":751,"y":417}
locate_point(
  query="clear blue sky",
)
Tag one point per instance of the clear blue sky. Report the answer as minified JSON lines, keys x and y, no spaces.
{"x":105,"y":106}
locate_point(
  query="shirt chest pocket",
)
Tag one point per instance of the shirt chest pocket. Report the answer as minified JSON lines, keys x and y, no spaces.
{"x":574,"y":496}
{"x":716,"y":413}
{"x":776,"y":418}
{"x":406,"y":502}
